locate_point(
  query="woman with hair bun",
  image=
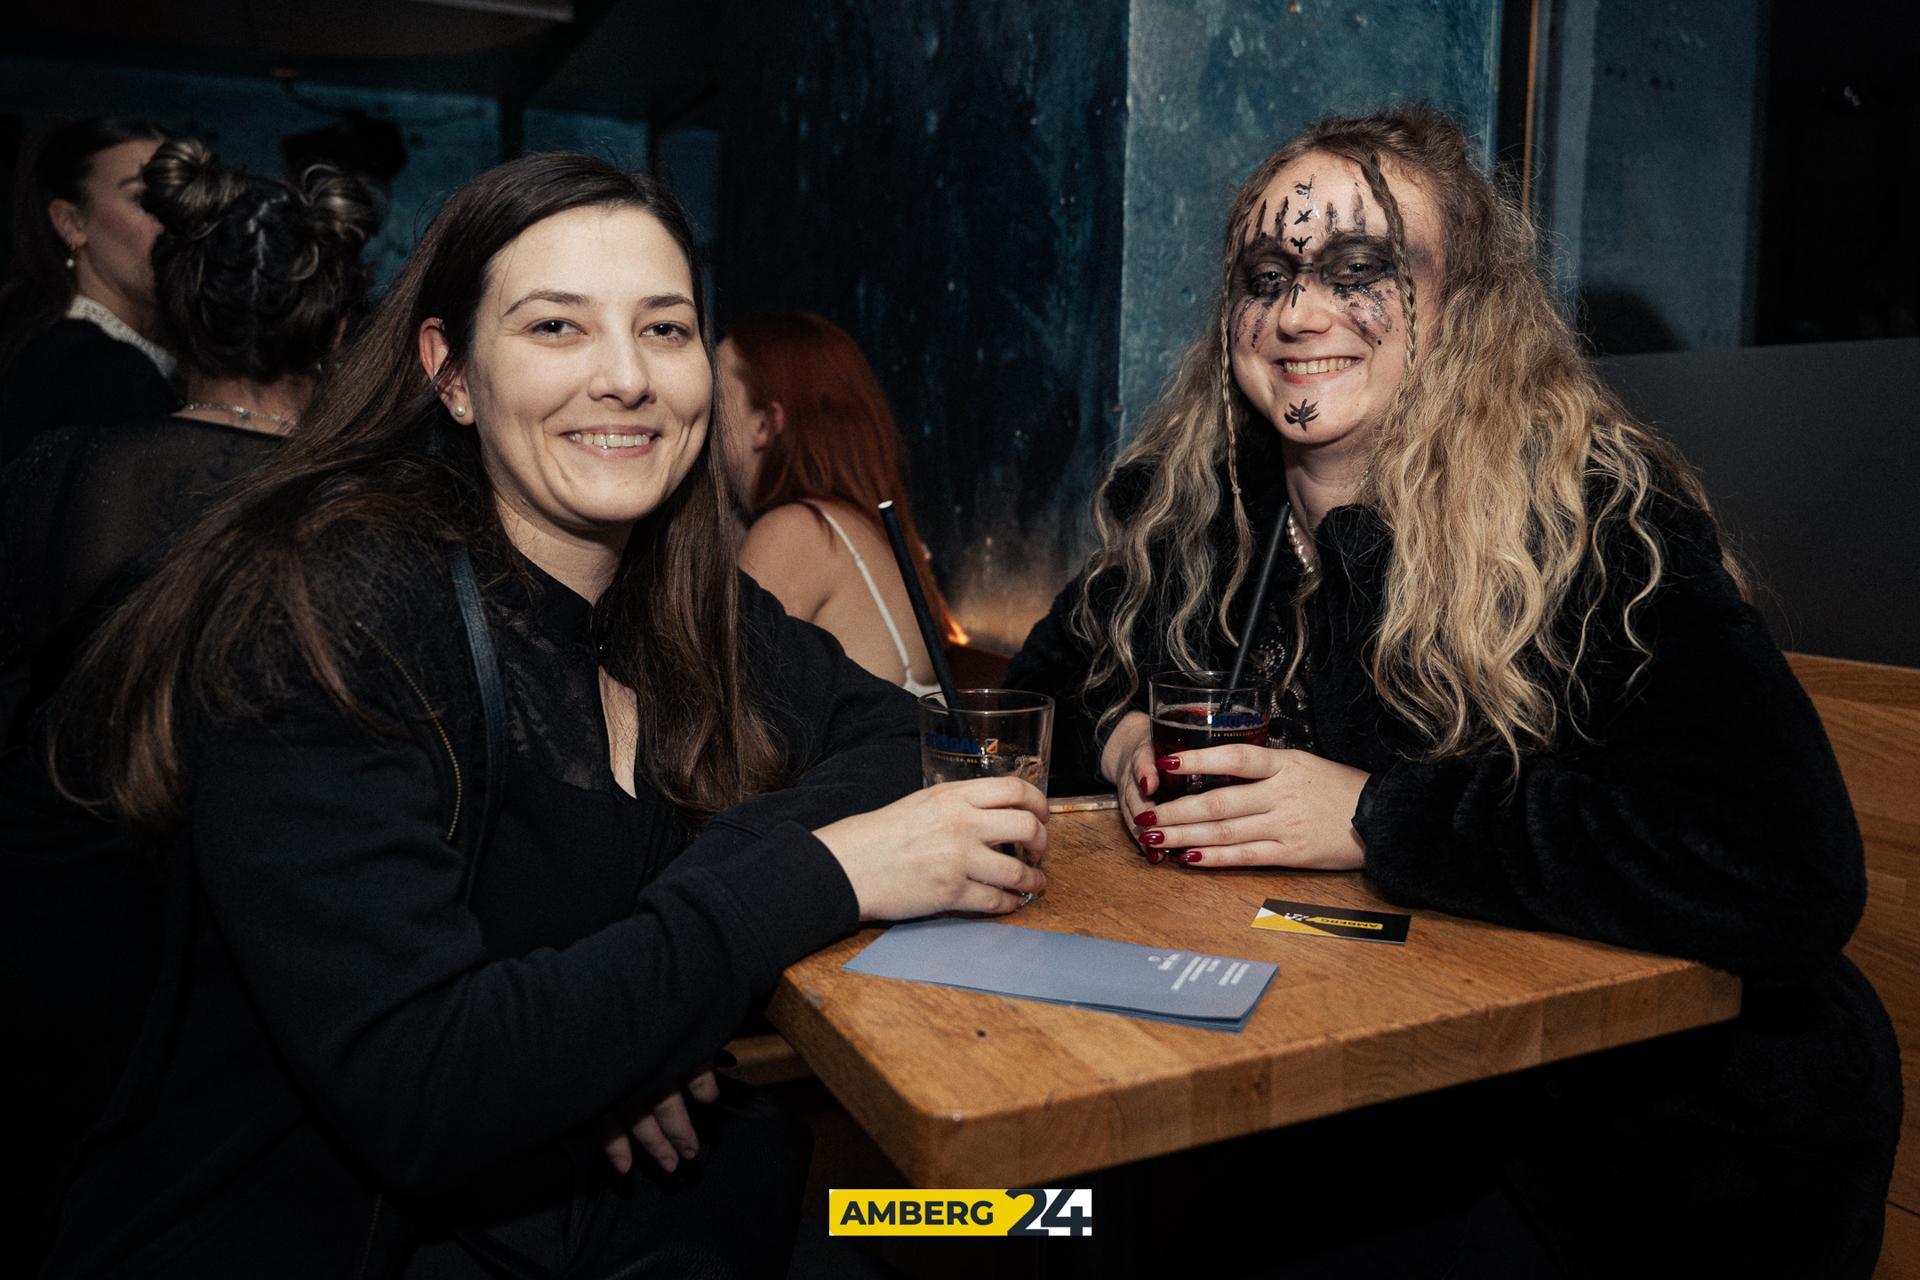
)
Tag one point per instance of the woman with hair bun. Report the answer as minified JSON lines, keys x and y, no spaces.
{"x":1511,"y":677}
{"x":254,"y":277}
{"x":79,"y":339}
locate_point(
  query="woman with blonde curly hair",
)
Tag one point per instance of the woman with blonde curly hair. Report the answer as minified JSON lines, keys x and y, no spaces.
{"x":1512,"y":677}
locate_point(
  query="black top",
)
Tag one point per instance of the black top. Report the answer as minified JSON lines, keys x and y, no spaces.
{"x":75,"y":374}
{"x":1701,"y":814}
{"x":85,"y":515}
{"x":343,"y":1027}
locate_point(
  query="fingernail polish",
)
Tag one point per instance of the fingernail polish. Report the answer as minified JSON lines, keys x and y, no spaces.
{"x":1190,"y":857}
{"x":1152,"y":837}
{"x":1146,"y":819}
{"x":1143,"y":784}
{"x":1156,"y":857}
{"x":1167,"y":764}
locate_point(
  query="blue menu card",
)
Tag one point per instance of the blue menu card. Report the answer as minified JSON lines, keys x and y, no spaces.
{"x":1165,"y":984}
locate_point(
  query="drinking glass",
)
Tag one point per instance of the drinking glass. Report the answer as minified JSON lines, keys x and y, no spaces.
{"x":991,"y":733}
{"x":1195,"y":709}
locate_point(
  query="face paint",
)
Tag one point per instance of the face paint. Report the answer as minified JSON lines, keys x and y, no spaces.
{"x":1326,"y":362}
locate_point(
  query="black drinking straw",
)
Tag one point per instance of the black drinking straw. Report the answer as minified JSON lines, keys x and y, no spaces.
{"x":1259,"y":595}
{"x":935,"y":649}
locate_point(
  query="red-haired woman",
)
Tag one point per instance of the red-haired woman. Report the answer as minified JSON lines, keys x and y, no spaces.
{"x":811,"y":450}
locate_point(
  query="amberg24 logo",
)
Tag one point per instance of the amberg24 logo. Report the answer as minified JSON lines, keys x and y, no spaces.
{"x":1013,"y":1212}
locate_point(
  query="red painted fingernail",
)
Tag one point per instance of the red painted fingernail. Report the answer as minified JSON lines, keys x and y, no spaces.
{"x":1143,"y":784}
{"x":1190,"y":857}
{"x":1156,"y":857}
{"x":1167,"y":764}
{"x":1153,"y":837}
{"x":1146,"y":819}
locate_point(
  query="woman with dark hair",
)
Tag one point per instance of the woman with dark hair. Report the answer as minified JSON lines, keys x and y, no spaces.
{"x":1512,"y":678}
{"x":811,"y":450}
{"x":255,"y":277}
{"x":493,"y":800}
{"x":78,"y":342}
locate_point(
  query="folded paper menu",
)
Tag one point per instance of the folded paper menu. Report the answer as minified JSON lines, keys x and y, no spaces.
{"x":1166,"y":984}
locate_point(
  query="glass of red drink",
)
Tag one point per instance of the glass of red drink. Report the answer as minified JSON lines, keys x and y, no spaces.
{"x":1196,"y":709}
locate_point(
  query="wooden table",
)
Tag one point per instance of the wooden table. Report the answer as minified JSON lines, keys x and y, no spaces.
{"x":962,"y":1089}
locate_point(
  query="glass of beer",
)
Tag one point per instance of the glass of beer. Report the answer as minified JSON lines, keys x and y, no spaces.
{"x":990,"y":734}
{"x":1195,"y":709}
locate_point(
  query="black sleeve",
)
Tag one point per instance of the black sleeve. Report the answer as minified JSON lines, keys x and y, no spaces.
{"x":322,"y":851}
{"x":1705,"y":817}
{"x":851,"y":739}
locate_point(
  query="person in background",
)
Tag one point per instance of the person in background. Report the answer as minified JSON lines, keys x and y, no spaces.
{"x":492,"y":797}
{"x":811,"y":450}
{"x":1513,"y":679}
{"x":253,"y":278}
{"x":79,"y":331}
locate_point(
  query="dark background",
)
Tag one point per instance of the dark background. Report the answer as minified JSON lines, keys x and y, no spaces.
{"x":1014,"y":207}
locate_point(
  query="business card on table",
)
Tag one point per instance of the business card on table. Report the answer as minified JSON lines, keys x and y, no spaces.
{"x":1332,"y":922}
{"x":1165,"y":984}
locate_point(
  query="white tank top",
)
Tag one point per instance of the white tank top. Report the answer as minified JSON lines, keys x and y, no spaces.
{"x":906,"y":681}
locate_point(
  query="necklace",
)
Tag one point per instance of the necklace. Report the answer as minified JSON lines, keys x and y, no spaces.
{"x":241,"y":412}
{"x":1309,"y":562}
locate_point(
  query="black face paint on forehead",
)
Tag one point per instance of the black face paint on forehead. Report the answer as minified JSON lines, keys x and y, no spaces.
{"x":1304,"y":215}
{"x":1359,"y":212}
{"x":1300,"y":244}
{"x":1301,"y":414}
{"x":1304,"y":188}
{"x":1333,"y":222}
{"x":1280,"y":218}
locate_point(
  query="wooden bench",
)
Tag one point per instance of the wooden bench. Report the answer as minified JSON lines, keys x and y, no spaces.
{"x":1872,"y":715}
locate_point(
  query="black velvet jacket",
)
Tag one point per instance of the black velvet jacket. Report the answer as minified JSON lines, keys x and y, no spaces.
{"x":1697,"y":811}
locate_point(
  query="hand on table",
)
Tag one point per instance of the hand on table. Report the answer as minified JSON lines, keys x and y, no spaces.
{"x":934,"y":850}
{"x":1295,"y":809}
{"x":666,"y":1132}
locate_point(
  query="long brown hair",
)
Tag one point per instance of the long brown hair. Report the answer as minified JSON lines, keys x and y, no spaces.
{"x":840,"y":442}
{"x":282,"y":570}
{"x":1498,"y":466}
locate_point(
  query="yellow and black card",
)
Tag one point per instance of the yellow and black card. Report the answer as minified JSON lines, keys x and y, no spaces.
{"x":1332,"y":922}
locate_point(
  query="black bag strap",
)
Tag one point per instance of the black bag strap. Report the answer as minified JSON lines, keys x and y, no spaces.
{"x":493,"y":703}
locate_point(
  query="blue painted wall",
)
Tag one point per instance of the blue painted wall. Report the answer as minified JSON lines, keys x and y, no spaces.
{"x":449,"y":137}
{"x":943,"y":179}
{"x":1666,"y":235}
{"x":1215,"y":86}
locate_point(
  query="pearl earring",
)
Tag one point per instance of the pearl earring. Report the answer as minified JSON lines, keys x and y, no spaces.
{"x":69,"y":258}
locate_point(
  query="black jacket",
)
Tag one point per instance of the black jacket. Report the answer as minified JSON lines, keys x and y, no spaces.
{"x":355,"y":1018}
{"x":74,"y":374}
{"x":1696,"y":811}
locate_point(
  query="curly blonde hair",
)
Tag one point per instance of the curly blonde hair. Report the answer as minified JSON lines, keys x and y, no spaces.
{"x":1497,"y":466}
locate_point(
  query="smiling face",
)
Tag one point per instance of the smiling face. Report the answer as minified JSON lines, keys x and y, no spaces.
{"x":1316,"y":322}
{"x":586,"y":380}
